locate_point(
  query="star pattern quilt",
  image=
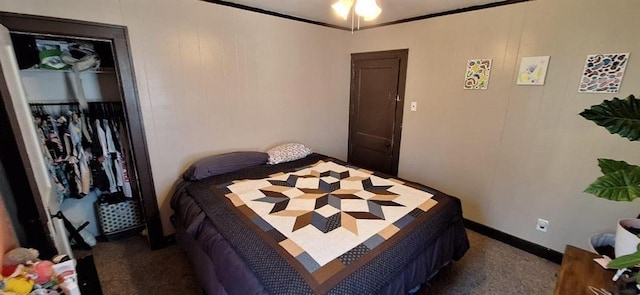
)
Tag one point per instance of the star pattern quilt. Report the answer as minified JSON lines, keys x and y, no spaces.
{"x":327,"y":216}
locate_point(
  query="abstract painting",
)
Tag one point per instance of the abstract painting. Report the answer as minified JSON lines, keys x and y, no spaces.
{"x":477,"y":76}
{"x":603,"y":73}
{"x":533,"y":70}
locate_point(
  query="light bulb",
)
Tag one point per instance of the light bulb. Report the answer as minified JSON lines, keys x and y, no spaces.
{"x":376,"y":11}
{"x":368,"y":9}
{"x":342,"y":7}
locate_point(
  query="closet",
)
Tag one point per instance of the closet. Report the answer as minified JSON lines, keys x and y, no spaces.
{"x":69,"y":97}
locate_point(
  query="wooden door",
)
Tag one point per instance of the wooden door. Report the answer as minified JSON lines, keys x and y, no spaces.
{"x":14,"y":153}
{"x":376,"y":106}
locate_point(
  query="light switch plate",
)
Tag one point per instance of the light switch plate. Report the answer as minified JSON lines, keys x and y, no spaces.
{"x":414,"y":106}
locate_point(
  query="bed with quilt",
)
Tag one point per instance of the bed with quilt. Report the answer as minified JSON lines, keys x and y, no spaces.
{"x":315,"y":225}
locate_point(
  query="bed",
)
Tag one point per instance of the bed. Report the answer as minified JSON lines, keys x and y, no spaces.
{"x":316,"y":225}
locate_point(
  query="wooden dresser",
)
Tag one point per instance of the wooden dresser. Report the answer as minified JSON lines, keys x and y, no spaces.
{"x":578,"y":271}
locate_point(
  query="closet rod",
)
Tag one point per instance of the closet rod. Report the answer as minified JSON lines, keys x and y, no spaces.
{"x":53,"y":103}
{"x":69,"y":103}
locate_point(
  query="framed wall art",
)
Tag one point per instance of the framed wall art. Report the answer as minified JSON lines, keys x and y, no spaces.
{"x":477,"y":75}
{"x":533,"y":70}
{"x":603,"y":73}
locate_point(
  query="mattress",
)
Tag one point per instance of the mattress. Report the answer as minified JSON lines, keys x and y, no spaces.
{"x":315,"y":226}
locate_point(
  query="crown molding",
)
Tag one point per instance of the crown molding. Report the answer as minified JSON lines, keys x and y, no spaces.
{"x":406,"y":20}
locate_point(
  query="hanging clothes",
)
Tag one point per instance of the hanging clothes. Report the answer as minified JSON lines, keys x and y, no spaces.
{"x":107,"y":164}
{"x":82,"y":150}
{"x":114,"y":153}
{"x":76,"y":134}
{"x":126,"y":185}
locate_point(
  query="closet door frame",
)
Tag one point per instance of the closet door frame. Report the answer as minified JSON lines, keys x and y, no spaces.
{"x":119,"y":37}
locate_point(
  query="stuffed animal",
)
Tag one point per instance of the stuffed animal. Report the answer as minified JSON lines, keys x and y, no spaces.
{"x":12,"y":271}
{"x":41,"y":272}
{"x":20,"y":286}
{"x":20,"y":256}
{"x":18,"y":270}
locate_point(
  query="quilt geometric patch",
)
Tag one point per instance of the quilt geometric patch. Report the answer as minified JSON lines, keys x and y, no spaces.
{"x":328,"y":215}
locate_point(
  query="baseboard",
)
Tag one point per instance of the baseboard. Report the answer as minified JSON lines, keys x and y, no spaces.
{"x":535,"y":249}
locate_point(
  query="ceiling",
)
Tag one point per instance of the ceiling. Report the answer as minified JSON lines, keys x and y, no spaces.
{"x":392,"y":10}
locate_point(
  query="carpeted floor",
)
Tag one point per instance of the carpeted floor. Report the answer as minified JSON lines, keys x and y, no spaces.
{"x":492,"y":267}
{"x":131,"y":267}
{"x":489,"y":267}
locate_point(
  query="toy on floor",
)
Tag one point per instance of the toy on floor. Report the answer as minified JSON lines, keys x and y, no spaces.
{"x":20,"y":256}
{"x":15,"y":265}
{"x":12,"y":271}
{"x":41,"y":272}
{"x":18,"y":285}
{"x":24,"y":274}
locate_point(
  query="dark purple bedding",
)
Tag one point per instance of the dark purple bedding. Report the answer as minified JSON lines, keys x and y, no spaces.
{"x":231,"y":259}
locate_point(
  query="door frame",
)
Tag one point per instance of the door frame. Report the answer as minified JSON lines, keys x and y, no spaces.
{"x":403,"y":56}
{"x":118,"y":36}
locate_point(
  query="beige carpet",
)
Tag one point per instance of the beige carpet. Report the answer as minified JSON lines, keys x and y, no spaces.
{"x":492,"y":267}
{"x":489,"y":267}
{"x":131,"y":267}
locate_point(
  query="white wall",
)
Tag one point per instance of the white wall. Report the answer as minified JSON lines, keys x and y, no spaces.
{"x":515,"y":153}
{"x":214,"y":79}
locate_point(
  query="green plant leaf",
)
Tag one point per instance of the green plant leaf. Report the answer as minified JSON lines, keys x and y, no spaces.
{"x":620,"y":117}
{"x":625,"y":261}
{"x":609,"y":166}
{"x":622,"y":185}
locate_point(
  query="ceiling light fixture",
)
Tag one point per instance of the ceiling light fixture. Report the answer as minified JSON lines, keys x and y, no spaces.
{"x":342,"y":7}
{"x":368,"y":9}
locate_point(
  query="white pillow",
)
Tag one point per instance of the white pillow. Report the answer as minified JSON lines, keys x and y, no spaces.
{"x":287,"y":152}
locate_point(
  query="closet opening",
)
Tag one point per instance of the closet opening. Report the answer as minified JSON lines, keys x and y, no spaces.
{"x":73,"y":93}
{"x":80,"y":107}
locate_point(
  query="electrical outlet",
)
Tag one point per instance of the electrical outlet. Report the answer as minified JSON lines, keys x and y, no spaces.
{"x":542,"y":225}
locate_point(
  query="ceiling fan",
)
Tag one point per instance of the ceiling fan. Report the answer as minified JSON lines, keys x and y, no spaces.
{"x":367,"y":9}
